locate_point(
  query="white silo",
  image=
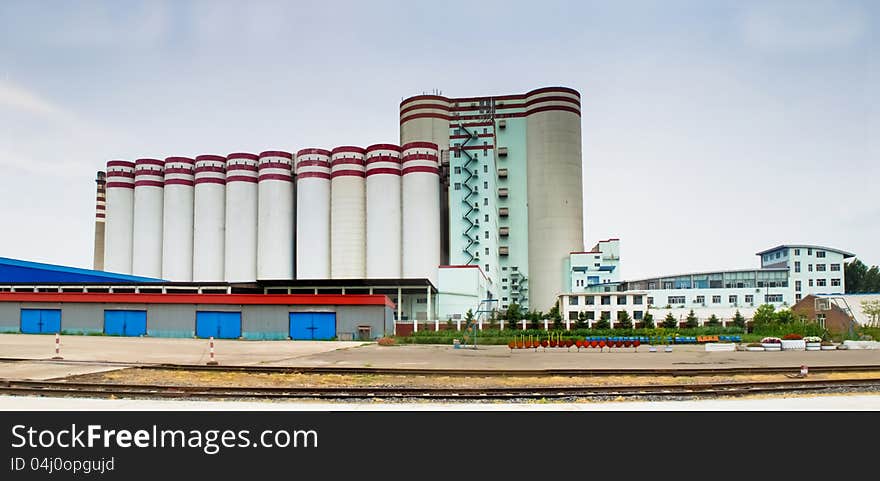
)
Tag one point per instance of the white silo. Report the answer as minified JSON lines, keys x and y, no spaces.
{"x":347,"y":213}
{"x":241,"y":217}
{"x":149,"y":183}
{"x":275,"y":216}
{"x":421,"y":211}
{"x":313,"y":214}
{"x":383,"y":212}
{"x":177,"y":227}
{"x":209,"y":218}
{"x":554,"y":186}
{"x":120,"y":216}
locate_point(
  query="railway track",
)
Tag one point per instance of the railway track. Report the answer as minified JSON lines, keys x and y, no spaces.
{"x":566,"y":372}
{"x":106,"y":390}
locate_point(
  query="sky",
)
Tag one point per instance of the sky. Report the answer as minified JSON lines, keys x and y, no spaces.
{"x":711,"y":129}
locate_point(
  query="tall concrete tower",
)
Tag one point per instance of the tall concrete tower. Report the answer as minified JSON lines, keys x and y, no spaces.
{"x":100,"y":216}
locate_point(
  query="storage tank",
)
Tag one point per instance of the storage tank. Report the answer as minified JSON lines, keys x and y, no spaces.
{"x":347,"y":213}
{"x":209,"y":218}
{"x":383,"y":212}
{"x":421,"y":211}
{"x":177,"y":227}
{"x":275,"y":216}
{"x":120,"y":216}
{"x":313,"y":214}
{"x":241,"y":217}
{"x":100,"y":220}
{"x":554,"y":169}
{"x":149,"y":183}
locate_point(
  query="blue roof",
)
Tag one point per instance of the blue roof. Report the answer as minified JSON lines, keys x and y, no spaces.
{"x":14,"y":271}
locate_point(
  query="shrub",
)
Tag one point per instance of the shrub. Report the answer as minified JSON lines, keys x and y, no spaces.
{"x":624,"y":321}
{"x":771,"y":340}
{"x":792,"y":337}
{"x":713,"y":321}
{"x":691,"y":320}
{"x":387,"y":341}
{"x":669,"y":321}
{"x":739,"y":320}
{"x":648,"y":321}
{"x":603,"y":323}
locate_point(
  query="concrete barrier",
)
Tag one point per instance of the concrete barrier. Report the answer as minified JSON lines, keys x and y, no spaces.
{"x":720,"y":347}
{"x":862,"y":344}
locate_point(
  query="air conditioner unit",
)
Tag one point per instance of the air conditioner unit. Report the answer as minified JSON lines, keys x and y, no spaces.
{"x":502,"y":151}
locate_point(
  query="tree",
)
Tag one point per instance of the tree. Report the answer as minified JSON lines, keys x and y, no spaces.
{"x":555,"y":316}
{"x":514,"y":315}
{"x":581,"y":322}
{"x":691,"y":320}
{"x":785,"y":316}
{"x":765,"y":314}
{"x":861,"y":279}
{"x":669,"y":321}
{"x":713,"y":321}
{"x":739,"y":320}
{"x":624,"y":321}
{"x":604,"y":321}
{"x":648,"y":321}
{"x":872,"y":308}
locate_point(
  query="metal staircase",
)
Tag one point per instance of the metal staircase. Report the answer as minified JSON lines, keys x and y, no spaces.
{"x":472,"y":328}
{"x":470,"y":167}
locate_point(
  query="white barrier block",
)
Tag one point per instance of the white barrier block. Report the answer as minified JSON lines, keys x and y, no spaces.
{"x":720,"y":347}
{"x":862,"y":344}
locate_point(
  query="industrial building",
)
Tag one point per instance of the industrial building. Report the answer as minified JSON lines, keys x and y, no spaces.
{"x":788,"y":273}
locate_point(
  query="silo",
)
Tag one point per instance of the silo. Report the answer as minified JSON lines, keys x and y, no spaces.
{"x":149,"y":183}
{"x":313,"y":214}
{"x":100,"y":219}
{"x":554,"y":185}
{"x":275,"y":211}
{"x":177,"y":228}
{"x":427,"y":118}
{"x":347,"y":213}
{"x":209,"y":218}
{"x":421,"y":211}
{"x":383,"y":212}
{"x":120,"y":216}
{"x":241,"y":217}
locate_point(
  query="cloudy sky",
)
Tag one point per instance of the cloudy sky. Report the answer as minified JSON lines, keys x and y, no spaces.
{"x":711,"y":129}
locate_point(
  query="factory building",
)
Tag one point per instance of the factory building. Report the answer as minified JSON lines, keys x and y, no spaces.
{"x":788,"y":274}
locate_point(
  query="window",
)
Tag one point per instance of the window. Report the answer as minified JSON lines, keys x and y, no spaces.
{"x":487,"y":267}
{"x":606,"y":300}
{"x":457,"y":186}
{"x":487,"y":251}
{"x":811,"y":283}
{"x":820,"y":282}
{"x":778,"y":255}
{"x":820,"y":254}
{"x":591,"y":315}
{"x":597,"y":265}
{"x":797,"y":266}
{"x":835,"y":282}
{"x":637,"y":315}
{"x":486,"y":168}
{"x":701,"y":300}
{"x":485,"y":130}
{"x":652,"y":286}
{"x":750,"y":298}
{"x":504,"y":299}
{"x":835,"y":267}
{"x":731,"y":299}
{"x":650,"y":301}
{"x":573,"y":300}
{"x":621,"y":300}
{"x":773,"y":298}
{"x":797,"y":252}
{"x":504,"y":268}
{"x":458,"y":170}
{"x":820,"y":319}
{"x":486,"y":201}
{"x":810,"y":267}
{"x":716,"y":299}
{"x":486,"y":184}
{"x":572,"y":315}
{"x":797,"y":286}
{"x":675,"y":300}
{"x":797,"y":298}
{"x":637,"y":300}
{"x":809,"y":252}
{"x":590,"y":300}
{"x":820,"y":267}
{"x":486,"y":234}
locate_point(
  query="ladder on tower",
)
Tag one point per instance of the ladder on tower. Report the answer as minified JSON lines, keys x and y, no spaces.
{"x":472,"y":328}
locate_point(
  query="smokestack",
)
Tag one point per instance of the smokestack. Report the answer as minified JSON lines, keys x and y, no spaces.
{"x":100,"y":216}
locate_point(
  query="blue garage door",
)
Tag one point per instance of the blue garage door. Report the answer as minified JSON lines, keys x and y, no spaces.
{"x":125,"y":323}
{"x":40,"y":321}
{"x":222,"y":325}
{"x":312,"y":325}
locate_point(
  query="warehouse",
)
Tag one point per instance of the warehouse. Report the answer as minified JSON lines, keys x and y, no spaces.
{"x":42,"y":299}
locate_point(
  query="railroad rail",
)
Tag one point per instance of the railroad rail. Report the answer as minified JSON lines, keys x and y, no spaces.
{"x":104,"y":390}
{"x":567,"y":372}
